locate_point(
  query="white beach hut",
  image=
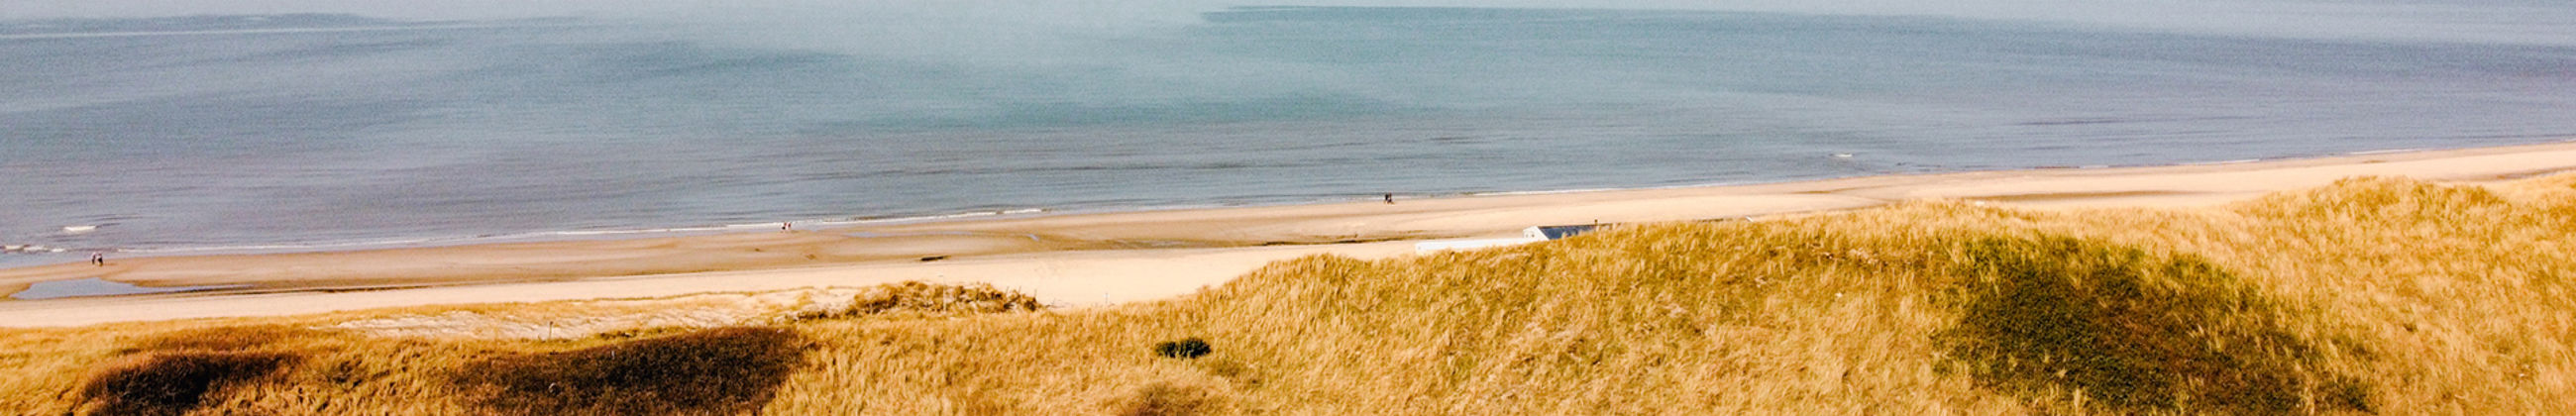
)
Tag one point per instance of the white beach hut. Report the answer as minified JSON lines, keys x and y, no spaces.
{"x":1528,"y":235}
{"x":1551,"y":232}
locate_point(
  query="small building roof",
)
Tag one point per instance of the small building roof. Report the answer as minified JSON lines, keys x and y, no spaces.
{"x":1552,"y":232}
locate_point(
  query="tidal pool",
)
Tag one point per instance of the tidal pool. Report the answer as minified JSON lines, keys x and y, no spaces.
{"x":100,"y":287}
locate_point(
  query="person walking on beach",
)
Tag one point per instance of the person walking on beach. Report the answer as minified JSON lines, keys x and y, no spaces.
{"x":1390,"y":198}
{"x":98,"y":258}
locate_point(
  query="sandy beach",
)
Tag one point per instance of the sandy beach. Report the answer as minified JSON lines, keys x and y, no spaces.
{"x":1087,"y":259}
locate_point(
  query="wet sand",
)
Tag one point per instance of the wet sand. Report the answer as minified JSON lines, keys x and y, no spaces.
{"x":1081,"y":259}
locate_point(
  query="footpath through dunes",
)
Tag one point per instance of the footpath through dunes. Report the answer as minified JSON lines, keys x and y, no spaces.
{"x":2368,"y":296}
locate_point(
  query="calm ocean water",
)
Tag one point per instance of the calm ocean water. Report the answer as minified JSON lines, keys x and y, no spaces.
{"x":175,"y":135}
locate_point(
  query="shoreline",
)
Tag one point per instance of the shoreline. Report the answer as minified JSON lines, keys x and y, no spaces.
{"x":1132,"y":255}
{"x":15,"y":260}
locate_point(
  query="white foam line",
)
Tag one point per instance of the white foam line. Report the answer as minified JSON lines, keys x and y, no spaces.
{"x":260,"y":247}
{"x":78,"y":35}
{"x":620,"y":232}
{"x":541,"y":235}
{"x":1642,"y":188}
{"x":2379,"y":152}
{"x":939,"y":217}
{"x":2222,"y":162}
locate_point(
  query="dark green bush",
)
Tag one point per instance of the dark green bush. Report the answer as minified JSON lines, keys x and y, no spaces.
{"x":1186,"y":348}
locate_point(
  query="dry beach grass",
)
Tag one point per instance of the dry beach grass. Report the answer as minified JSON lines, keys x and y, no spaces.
{"x":2378,"y":296}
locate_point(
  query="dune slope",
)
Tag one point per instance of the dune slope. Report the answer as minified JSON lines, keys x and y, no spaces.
{"x":2366,"y":296}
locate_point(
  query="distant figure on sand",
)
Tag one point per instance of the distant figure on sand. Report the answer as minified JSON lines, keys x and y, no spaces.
{"x":98,"y":258}
{"x":1390,"y":198}
{"x":786,"y":226}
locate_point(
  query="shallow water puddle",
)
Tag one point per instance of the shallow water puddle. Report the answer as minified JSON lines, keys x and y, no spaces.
{"x":100,"y":287}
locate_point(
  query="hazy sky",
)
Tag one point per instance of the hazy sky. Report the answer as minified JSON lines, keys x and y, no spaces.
{"x":2518,"y":21}
{"x":1064,"y":10}
{"x":1127,"y":9}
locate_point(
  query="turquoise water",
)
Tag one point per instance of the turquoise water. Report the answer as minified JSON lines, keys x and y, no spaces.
{"x":327,"y":132}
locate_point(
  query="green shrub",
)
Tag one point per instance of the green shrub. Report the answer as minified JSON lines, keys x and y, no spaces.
{"x":1186,"y":348}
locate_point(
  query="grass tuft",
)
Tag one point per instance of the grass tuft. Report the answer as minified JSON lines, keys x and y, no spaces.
{"x":716,"y":371}
{"x":226,"y":338}
{"x":1166,"y":399}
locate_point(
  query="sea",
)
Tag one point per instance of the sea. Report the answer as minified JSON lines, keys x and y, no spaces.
{"x":311,"y":132}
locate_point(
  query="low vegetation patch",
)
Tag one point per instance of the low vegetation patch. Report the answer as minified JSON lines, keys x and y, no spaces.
{"x":173,"y":383}
{"x":173,"y":372}
{"x":226,"y":338}
{"x":716,"y":371}
{"x":2130,"y":332}
{"x":929,"y":298}
{"x":1167,"y":399}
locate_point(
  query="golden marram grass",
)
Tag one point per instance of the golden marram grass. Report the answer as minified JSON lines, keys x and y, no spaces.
{"x":2370,"y":296}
